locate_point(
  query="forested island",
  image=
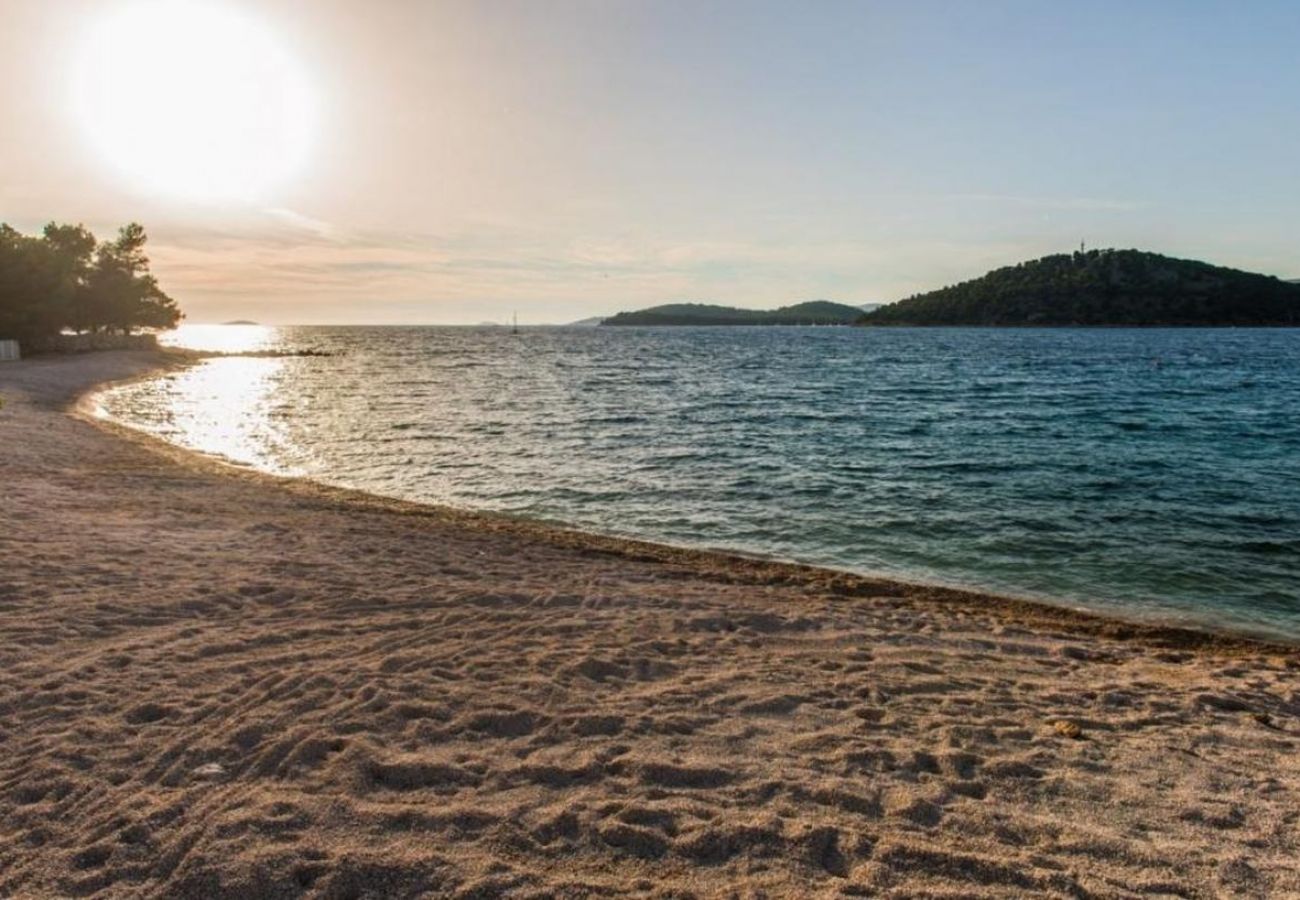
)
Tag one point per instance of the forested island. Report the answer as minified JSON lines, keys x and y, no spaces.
{"x":65,"y":280}
{"x":1103,"y":287}
{"x":814,"y":312}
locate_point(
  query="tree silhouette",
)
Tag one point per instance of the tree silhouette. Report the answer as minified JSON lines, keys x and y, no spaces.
{"x":66,"y":280}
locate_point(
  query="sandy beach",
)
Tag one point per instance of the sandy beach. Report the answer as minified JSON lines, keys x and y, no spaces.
{"x":217,"y":683}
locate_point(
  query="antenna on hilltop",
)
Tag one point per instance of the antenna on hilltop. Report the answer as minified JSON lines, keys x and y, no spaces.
{"x":1082,"y":248}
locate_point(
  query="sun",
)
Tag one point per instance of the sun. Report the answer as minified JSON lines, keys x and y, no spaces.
{"x":192,"y":100}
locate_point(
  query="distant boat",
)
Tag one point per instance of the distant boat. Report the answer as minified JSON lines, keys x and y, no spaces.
{"x":514,"y":325}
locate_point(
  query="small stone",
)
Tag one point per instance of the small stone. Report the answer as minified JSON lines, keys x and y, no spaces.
{"x":210,"y":770}
{"x":1066,"y":728}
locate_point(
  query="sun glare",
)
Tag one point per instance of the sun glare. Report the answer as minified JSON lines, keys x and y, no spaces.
{"x":193,"y":100}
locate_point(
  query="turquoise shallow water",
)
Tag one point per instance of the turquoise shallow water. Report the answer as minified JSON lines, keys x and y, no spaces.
{"x":1151,"y":472}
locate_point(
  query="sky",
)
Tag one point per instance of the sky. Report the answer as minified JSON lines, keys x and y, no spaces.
{"x":322,"y":161}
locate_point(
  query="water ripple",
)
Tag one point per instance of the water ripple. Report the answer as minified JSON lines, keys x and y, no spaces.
{"x":1153,"y":471}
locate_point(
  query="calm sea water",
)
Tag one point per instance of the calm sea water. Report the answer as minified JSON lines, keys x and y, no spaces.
{"x":1153,"y":472}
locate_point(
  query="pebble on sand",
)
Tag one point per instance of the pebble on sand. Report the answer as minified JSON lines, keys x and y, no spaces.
{"x":1066,"y":728}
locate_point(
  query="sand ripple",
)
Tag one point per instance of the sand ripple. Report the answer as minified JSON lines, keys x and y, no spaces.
{"x":212,"y":685}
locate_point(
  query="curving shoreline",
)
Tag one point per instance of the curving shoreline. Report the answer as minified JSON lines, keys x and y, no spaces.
{"x":1038,"y":611}
{"x":214,"y":680}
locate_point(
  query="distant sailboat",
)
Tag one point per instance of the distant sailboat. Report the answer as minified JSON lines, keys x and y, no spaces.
{"x":514,"y":327}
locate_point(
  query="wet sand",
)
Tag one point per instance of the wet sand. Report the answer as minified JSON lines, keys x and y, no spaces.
{"x":217,"y":683}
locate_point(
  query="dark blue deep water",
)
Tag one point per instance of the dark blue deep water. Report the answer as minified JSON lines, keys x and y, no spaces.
{"x":1152,"y":472}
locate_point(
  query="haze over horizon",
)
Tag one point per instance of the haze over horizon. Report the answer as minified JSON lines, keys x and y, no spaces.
{"x":334,"y":162}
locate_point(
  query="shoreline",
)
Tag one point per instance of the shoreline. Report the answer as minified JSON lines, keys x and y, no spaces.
{"x":1040,"y":611}
{"x":218,"y":682}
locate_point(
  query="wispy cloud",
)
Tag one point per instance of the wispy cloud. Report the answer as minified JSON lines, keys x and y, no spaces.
{"x":302,"y":273}
{"x":1077,"y":204}
{"x":301,"y":222}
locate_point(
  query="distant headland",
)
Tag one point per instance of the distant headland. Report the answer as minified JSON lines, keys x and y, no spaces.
{"x":1105,"y":288}
{"x":1086,"y":288}
{"x":814,"y":312}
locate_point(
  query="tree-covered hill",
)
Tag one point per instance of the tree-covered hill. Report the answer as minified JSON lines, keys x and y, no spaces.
{"x":814,"y":312}
{"x":1103,"y":287}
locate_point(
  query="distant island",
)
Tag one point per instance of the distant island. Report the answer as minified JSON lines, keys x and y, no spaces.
{"x":1103,"y":287}
{"x":239,"y":322}
{"x":814,"y":312}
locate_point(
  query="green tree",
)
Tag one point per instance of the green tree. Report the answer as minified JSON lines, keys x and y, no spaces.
{"x":122,"y":294}
{"x":71,"y":249}
{"x":30,"y":288}
{"x":64,"y":279}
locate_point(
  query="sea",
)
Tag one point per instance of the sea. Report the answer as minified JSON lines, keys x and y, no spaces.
{"x":1149,"y":473}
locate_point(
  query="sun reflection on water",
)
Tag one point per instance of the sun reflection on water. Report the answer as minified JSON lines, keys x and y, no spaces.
{"x":229,"y":407}
{"x":223,"y":338}
{"x":969,"y":456}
